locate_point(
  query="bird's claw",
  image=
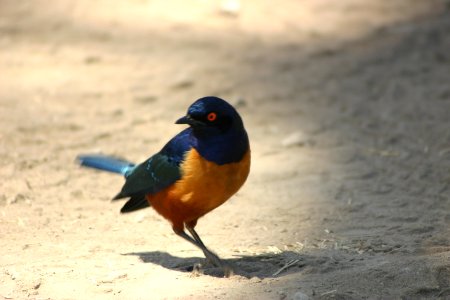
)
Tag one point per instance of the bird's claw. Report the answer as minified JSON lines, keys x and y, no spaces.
{"x":216,"y":261}
{"x":227,"y":271}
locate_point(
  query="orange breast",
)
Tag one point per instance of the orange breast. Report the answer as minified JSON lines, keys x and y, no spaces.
{"x":204,"y":186}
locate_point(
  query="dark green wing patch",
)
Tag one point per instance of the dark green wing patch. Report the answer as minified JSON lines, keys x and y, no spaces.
{"x":135,"y":203}
{"x":150,"y":177}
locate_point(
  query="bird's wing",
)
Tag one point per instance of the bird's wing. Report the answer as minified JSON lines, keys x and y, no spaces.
{"x":149,"y":177}
{"x":136,"y":202}
{"x":156,"y":173}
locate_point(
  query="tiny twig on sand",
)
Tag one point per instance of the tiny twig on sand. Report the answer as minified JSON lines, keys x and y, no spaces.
{"x":287,"y":265}
{"x":327,"y":293}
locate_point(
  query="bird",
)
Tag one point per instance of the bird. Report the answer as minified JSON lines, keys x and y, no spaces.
{"x":198,"y":170}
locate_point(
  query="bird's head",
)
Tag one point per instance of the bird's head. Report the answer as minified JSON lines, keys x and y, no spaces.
{"x":212,"y":115}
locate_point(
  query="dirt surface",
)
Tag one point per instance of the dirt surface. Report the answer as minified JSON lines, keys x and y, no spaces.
{"x":347,"y":104}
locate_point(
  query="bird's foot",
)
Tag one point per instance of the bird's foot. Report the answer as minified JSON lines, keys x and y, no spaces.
{"x":227,"y":271}
{"x":216,"y":261}
{"x":197,"y":269}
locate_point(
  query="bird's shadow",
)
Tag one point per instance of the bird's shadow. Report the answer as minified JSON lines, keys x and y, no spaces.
{"x":261,"y":266}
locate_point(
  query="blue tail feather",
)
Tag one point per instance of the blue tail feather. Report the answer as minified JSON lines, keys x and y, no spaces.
{"x":106,"y":163}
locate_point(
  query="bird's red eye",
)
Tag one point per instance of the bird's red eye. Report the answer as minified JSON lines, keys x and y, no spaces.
{"x":212,"y":116}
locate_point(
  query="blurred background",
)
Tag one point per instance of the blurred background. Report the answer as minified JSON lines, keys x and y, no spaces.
{"x":347,"y":104}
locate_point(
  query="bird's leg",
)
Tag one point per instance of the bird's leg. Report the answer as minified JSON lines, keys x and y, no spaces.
{"x":195,"y":235}
{"x":213,"y":258}
{"x":190,"y":226}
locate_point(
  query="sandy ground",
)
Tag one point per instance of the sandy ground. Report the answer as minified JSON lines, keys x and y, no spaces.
{"x":347,"y":104}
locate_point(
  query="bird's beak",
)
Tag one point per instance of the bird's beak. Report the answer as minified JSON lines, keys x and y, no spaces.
{"x":189,"y":120}
{"x":184,"y":120}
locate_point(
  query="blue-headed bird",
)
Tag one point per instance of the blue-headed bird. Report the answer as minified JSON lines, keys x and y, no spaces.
{"x":195,"y":172}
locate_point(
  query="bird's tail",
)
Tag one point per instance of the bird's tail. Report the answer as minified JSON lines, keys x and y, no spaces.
{"x":106,"y":163}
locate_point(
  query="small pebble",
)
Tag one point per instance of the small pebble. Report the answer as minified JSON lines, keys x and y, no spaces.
{"x":182,"y":81}
{"x":300,"y":296}
{"x":89,"y":60}
{"x":295,"y":139}
{"x":230,"y":7}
